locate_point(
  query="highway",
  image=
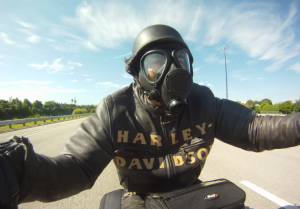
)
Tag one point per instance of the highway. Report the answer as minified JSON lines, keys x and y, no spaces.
{"x":270,"y":179}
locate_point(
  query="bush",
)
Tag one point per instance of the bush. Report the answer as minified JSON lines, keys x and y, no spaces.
{"x":79,"y":111}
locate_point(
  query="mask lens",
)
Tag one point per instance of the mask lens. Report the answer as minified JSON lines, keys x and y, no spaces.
{"x":184,"y":60}
{"x":154,"y":64}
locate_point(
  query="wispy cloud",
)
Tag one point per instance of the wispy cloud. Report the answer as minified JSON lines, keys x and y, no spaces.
{"x":126,"y":75}
{"x":55,"y":67}
{"x":122,"y":56}
{"x":213,"y":59}
{"x":92,"y":19}
{"x":89,"y":80}
{"x":26,"y":82}
{"x":6,"y":39}
{"x":260,"y":78}
{"x":75,"y":63}
{"x":295,"y":67}
{"x":26,"y":25}
{"x":196,"y":69}
{"x":73,"y":81}
{"x":259,"y":31}
{"x":206,"y":84}
{"x":107,"y":85}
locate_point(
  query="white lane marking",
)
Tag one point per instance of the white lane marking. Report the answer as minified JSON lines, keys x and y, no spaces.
{"x":266,"y":194}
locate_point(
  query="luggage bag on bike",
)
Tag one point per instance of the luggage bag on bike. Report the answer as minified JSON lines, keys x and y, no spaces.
{"x":220,"y":193}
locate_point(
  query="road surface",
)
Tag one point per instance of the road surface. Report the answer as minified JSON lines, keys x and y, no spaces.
{"x":271,"y":179}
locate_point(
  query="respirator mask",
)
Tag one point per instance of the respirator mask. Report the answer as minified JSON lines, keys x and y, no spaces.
{"x":166,"y":76}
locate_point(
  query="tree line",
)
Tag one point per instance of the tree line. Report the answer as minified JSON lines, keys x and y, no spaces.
{"x":266,"y":105}
{"x":14,"y":108}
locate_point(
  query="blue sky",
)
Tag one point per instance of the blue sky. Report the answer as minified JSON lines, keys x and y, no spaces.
{"x":59,"y":50}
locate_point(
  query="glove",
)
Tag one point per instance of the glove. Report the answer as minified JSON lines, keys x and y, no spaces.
{"x":18,"y":168}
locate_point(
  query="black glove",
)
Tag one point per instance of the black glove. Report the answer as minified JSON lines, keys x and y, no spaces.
{"x":18,"y":168}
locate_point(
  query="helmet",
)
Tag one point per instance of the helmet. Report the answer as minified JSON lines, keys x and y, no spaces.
{"x":149,"y":37}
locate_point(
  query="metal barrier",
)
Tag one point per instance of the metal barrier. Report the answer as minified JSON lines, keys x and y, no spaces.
{"x":26,"y":120}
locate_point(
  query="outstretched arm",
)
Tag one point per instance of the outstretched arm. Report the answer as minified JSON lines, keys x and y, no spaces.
{"x":241,"y":127}
{"x":38,"y":177}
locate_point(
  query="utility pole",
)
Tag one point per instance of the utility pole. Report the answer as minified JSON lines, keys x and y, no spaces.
{"x":225,"y":71}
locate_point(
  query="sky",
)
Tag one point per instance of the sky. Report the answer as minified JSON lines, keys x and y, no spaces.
{"x":61,"y":50}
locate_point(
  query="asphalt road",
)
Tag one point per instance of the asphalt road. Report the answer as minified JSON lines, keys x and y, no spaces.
{"x":270,"y":179}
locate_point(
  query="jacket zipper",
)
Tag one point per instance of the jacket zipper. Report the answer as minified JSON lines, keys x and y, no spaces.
{"x":169,"y":164}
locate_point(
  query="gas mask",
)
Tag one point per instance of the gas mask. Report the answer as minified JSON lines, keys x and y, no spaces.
{"x":166,"y":76}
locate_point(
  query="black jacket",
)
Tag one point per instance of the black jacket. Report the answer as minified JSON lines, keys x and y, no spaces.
{"x":152,"y":152}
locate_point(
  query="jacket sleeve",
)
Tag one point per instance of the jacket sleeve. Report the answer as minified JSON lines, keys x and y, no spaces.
{"x":86,"y":153}
{"x":239,"y":126}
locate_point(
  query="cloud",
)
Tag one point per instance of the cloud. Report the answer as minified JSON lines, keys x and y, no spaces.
{"x":123,"y":56}
{"x":89,"y":80}
{"x":107,"y":85}
{"x":213,"y":59}
{"x":256,"y":29}
{"x":75,"y":63}
{"x":126,"y":21}
{"x":206,"y":84}
{"x":196,"y":69}
{"x":73,"y":81}
{"x":260,"y":78}
{"x":39,"y":66}
{"x":26,"y":82}
{"x":5,"y":39}
{"x":126,"y":75}
{"x":55,"y":67}
{"x":295,"y":67}
{"x":239,"y":77}
{"x":26,"y":25}
{"x":31,"y":37}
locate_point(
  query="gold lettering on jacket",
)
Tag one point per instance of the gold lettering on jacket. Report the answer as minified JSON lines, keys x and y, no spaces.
{"x":155,"y":139}
{"x":173,"y":136}
{"x":187,"y":134}
{"x":190,"y":158}
{"x":123,"y":137}
{"x":161,"y":162}
{"x":139,"y":137}
{"x":178,"y":160}
{"x":199,"y":153}
{"x":148,"y":163}
{"x":135,"y":162}
{"x":201,"y":128}
{"x":120,"y":161}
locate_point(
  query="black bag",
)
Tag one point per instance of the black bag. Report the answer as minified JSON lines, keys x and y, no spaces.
{"x":214,"y":194}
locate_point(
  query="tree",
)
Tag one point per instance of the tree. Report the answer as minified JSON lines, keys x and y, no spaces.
{"x":37,"y":108}
{"x":26,"y":107}
{"x":250,"y":104}
{"x":297,"y":106}
{"x":286,"y":107}
{"x":268,"y":101}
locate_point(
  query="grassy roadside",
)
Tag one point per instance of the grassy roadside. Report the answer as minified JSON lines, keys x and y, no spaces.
{"x":15,"y":127}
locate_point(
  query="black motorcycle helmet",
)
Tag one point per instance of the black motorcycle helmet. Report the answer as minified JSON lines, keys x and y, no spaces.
{"x":154,"y":35}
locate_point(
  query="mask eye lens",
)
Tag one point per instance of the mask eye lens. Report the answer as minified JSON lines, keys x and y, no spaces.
{"x":183,"y":59}
{"x":153,"y":65}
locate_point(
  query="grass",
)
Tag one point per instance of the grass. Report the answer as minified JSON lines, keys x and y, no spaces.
{"x":32,"y":124}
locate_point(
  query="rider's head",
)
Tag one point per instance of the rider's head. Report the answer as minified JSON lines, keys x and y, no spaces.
{"x":162,"y":63}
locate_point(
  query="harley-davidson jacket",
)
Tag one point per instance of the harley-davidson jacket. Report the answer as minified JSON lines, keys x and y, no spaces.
{"x":154,"y":152}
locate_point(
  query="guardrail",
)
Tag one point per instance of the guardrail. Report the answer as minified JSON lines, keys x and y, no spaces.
{"x":26,"y":120}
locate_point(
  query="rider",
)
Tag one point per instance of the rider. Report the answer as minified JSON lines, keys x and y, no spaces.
{"x":158,"y":131}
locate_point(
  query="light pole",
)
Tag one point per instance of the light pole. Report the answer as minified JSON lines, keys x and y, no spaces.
{"x":225,"y":71}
